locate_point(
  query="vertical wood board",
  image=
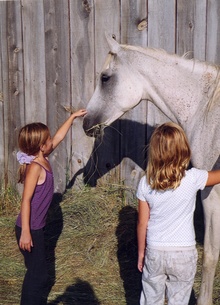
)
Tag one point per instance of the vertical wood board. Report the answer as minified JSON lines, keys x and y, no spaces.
{"x":213,"y":32}
{"x":161,"y":34}
{"x":2,"y":99}
{"x":5,"y":92}
{"x":15,"y":80}
{"x":199,"y":39}
{"x":185,"y":27}
{"x":82,"y":84}
{"x":106,"y":154}
{"x":57,"y":65}
{"x":162,"y":24}
{"x":133,"y":126}
{"x":34,"y":60}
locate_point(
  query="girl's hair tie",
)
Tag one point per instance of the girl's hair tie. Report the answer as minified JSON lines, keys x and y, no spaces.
{"x":23,"y":158}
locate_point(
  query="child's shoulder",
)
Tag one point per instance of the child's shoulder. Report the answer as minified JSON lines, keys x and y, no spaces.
{"x":143,"y":182}
{"x":196,"y":173}
{"x":194,"y":170}
{"x":42,"y":163}
{"x":33,"y":169}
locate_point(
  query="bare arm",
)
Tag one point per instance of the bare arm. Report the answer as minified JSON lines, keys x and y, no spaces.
{"x":213,"y":178}
{"x":32,"y":175}
{"x":143,"y":218}
{"x":62,"y":131}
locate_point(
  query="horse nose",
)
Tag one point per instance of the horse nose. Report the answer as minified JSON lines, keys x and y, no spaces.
{"x":89,"y":129}
{"x":86,"y":126}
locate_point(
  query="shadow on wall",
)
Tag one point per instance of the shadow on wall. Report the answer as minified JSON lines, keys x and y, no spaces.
{"x":122,"y":139}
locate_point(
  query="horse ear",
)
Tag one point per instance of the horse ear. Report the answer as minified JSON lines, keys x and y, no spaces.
{"x":113,"y":44}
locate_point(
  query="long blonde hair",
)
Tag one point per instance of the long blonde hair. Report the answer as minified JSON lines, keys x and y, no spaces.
{"x":168,"y":157}
{"x":30,"y":139}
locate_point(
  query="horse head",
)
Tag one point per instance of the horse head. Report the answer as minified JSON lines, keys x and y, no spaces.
{"x":117,"y":91}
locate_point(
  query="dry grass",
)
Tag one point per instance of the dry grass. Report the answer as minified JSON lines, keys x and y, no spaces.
{"x":91,"y":245}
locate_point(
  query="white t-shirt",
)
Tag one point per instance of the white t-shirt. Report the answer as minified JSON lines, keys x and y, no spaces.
{"x":171,"y":211}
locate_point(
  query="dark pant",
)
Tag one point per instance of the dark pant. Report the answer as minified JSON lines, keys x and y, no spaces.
{"x":36,"y":277}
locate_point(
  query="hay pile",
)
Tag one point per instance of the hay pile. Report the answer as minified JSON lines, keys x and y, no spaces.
{"x":91,"y":246}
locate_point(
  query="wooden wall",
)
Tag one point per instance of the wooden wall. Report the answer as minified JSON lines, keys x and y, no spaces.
{"x":51,"y":55}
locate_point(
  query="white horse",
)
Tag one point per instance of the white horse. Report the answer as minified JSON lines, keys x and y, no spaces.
{"x":187,"y":92}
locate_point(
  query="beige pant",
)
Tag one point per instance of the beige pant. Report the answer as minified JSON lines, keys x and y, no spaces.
{"x":170,"y":274}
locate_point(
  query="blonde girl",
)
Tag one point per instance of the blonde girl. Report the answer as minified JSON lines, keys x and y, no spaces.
{"x":35,"y":144}
{"x":167,"y":254}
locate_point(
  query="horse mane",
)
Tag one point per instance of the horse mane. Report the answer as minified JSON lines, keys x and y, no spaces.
{"x":150,"y":51}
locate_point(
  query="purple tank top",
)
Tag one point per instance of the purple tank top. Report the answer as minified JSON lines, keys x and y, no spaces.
{"x":40,"y":202}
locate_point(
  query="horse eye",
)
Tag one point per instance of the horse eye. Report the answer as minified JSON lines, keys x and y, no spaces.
{"x":105,"y":78}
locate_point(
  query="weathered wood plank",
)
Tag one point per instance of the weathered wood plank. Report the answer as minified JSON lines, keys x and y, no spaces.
{"x":199,"y":39}
{"x":133,"y":128}
{"x":57,"y":60}
{"x":107,"y":19}
{"x":106,"y":154}
{"x":161,"y":34}
{"x":213,"y":32}
{"x":15,"y":79}
{"x":161,"y":24}
{"x":3,"y":95}
{"x":185,"y":28}
{"x":82,"y":84}
{"x":34,"y":61}
{"x":134,"y":22}
{"x":12,"y":91}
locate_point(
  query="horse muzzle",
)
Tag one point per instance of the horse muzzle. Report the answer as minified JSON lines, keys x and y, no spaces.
{"x":90,"y":129}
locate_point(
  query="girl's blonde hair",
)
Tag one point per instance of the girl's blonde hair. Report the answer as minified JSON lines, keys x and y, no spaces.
{"x":168,"y":157}
{"x":30,"y":139}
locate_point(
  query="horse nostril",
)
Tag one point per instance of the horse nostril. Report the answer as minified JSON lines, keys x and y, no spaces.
{"x":93,"y":131}
{"x":90,"y":128}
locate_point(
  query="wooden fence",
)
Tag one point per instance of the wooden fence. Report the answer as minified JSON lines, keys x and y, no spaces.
{"x":51,"y":54}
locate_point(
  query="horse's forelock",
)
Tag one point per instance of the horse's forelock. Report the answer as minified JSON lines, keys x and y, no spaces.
{"x":107,"y":61}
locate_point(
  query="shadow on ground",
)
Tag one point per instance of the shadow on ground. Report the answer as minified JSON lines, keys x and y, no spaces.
{"x":127,"y":254}
{"x":80,"y":293}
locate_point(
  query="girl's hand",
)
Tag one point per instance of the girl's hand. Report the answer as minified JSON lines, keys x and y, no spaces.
{"x":80,"y":112}
{"x":25,"y":242}
{"x":140,"y":263}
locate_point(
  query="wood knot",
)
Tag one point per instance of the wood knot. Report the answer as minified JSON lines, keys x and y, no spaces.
{"x":1,"y":97}
{"x":16,"y":92}
{"x":16,"y":50}
{"x":142,"y":25}
{"x":86,"y":6}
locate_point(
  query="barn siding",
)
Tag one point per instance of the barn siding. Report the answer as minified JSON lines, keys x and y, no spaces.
{"x":3,"y":96}
{"x":58,"y":76}
{"x":82,"y":52}
{"x":15,"y":100}
{"x":52,"y":52}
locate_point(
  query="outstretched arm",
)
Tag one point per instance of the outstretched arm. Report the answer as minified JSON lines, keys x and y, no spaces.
{"x":213,"y":178}
{"x":143,"y":217}
{"x":62,"y":131}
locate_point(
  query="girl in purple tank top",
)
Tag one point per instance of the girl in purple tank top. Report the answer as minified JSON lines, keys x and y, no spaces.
{"x":35,"y":144}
